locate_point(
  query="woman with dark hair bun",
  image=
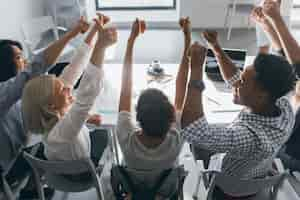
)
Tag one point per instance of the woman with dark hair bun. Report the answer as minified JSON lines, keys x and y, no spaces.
{"x":12,"y":60}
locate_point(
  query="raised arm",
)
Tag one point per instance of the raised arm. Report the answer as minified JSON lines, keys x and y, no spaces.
{"x":228,"y":69}
{"x":183,"y":71}
{"x":290,"y":46}
{"x":193,"y":107}
{"x":54,"y":50}
{"x":258,"y":17}
{"x":11,"y":90}
{"x":80,"y":60}
{"x":138,"y":27}
{"x":89,"y":88}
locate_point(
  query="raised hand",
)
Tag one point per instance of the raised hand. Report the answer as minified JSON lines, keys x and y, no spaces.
{"x":271,"y":8}
{"x":211,"y":37}
{"x":258,"y":16}
{"x":185,"y":25}
{"x":103,"y":18}
{"x":106,"y":36}
{"x":138,"y":27}
{"x":81,"y":27}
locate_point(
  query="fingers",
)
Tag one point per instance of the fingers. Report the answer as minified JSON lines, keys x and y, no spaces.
{"x":103,"y":18}
{"x":271,"y":8}
{"x":142,"y":26}
{"x":138,"y":27}
{"x":184,"y":21}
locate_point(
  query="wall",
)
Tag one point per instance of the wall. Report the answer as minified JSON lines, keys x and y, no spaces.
{"x":14,"y":12}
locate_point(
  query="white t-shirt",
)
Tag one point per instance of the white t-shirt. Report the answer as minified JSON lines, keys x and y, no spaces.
{"x":286,"y":6}
{"x":139,"y":157}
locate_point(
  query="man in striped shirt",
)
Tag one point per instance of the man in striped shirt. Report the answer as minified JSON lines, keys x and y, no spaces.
{"x":261,"y":128}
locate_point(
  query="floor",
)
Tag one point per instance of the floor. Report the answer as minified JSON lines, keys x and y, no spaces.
{"x":166,"y":46}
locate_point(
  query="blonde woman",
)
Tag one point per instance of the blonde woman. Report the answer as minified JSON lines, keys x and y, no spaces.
{"x":49,"y":107}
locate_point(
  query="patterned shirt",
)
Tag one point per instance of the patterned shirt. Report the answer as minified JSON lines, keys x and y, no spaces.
{"x":251,"y":141}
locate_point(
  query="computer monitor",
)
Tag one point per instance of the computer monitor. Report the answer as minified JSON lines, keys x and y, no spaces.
{"x":238,"y":57}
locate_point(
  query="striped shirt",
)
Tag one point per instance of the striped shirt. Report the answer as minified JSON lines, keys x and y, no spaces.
{"x":251,"y":141}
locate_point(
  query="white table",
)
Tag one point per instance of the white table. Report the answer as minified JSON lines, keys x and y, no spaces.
{"x":218,"y":105}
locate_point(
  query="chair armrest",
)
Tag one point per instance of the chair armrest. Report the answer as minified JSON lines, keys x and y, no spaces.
{"x":279,"y":166}
{"x":28,"y":42}
{"x":61,"y":28}
{"x":216,"y":162}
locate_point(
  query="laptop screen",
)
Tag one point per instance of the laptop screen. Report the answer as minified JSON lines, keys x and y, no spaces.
{"x":238,"y":57}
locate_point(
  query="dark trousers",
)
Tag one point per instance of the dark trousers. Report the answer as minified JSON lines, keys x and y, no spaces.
{"x":99,"y":141}
{"x":201,"y":154}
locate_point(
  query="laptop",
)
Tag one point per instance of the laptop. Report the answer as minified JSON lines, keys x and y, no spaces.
{"x":238,"y":57}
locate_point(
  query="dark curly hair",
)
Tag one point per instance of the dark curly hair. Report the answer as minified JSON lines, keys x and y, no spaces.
{"x":155,"y":113}
{"x":275,"y":75}
{"x":8,"y":67}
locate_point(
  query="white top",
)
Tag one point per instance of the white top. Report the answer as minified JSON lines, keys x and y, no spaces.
{"x":69,"y":139}
{"x":80,"y":60}
{"x":138,"y":156}
{"x":286,"y":6}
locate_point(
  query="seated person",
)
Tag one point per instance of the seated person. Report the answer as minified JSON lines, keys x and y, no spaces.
{"x":252,"y":140}
{"x":269,"y":18}
{"x":49,"y":108}
{"x":156,"y":143}
{"x":263,"y":39}
{"x":15,"y":74}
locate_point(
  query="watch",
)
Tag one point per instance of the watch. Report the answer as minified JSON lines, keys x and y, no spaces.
{"x":199,"y":84}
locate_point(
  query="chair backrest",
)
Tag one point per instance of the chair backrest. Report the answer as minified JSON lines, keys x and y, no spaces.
{"x":236,"y":186}
{"x":138,"y":179}
{"x":68,"y":176}
{"x":59,"y":167}
{"x":243,"y":187}
{"x":36,"y":31}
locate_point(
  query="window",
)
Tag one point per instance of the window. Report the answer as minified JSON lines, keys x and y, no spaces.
{"x":135,"y":4}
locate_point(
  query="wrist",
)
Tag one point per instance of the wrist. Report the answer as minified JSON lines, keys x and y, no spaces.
{"x":196,"y":73}
{"x":215,"y":46}
{"x":131,"y":39}
{"x":276,"y":19}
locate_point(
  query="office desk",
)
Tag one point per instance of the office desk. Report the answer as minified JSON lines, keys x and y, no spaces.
{"x":218,"y":104}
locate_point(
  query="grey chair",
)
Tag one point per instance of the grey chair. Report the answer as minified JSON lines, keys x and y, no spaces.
{"x":125,"y":180}
{"x":66,"y":176}
{"x":259,"y":188}
{"x":10,"y":191}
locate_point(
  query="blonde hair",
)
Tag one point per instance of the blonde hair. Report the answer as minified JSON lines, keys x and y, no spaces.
{"x":36,"y":98}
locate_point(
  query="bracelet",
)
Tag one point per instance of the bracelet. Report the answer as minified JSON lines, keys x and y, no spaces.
{"x":199,"y":84}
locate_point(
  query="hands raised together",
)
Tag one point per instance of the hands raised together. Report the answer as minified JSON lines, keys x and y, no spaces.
{"x":81,"y":27}
{"x":106,"y":36}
